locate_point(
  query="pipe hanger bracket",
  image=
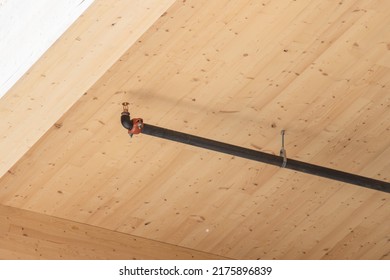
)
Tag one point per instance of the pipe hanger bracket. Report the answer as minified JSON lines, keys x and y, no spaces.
{"x":283,"y":150}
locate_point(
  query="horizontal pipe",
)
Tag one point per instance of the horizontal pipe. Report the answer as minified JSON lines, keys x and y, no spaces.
{"x":265,"y":158}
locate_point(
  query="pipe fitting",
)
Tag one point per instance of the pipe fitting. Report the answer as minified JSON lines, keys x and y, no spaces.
{"x":125,"y":120}
{"x":125,"y":117}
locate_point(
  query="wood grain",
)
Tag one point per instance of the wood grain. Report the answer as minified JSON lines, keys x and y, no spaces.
{"x":28,"y":235}
{"x":66,"y":71}
{"x":237,"y":72}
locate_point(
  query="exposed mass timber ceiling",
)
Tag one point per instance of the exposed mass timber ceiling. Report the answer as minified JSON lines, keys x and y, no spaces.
{"x":234,"y":71}
{"x":69,"y":68}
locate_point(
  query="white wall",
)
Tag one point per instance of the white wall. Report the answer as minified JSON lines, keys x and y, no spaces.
{"x":27,"y":29}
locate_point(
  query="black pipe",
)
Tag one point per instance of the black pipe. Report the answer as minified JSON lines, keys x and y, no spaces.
{"x":125,"y":120}
{"x":266,"y":158}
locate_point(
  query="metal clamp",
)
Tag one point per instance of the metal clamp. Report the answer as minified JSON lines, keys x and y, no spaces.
{"x":283,"y":150}
{"x":138,"y":125}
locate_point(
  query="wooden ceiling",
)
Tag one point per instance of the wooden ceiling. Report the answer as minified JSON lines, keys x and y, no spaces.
{"x":76,"y":186}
